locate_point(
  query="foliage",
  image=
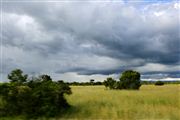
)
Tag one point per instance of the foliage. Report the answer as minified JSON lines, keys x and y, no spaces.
{"x":159,"y":83}
{"x":16,"y":76}
{"x":128,"y":80}
{"x":109,"y":83}
{"x":85,"y":83}
{"x":38,"y":97}
{"x":117,"y":82}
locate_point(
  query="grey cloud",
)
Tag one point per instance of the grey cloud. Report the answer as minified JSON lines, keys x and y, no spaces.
{"x":85,"y":71}
{"x":160,"y":74}
{"x":68,"y":34}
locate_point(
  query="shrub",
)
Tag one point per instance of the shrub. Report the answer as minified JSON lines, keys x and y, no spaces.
{"x":118,"y":85}
{"x":39,"y":97}
{"x":109,"y":83}
{"x":159,"y":83}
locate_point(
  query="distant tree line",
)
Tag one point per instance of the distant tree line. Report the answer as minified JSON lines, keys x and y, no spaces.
{"x":104,"y":82}
{"x":33,"y":97}
{"x":112,"y":81}
{"x":84,"y":83}
{"x":129,"y":80}
{"x":159,"y":83}
{"x":156,"y":82}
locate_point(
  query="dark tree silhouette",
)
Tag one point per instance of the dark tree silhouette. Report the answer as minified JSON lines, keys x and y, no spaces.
{"x":16,"y":76}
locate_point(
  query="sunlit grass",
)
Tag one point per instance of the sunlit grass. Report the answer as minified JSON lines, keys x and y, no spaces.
{"x":150,"y":102}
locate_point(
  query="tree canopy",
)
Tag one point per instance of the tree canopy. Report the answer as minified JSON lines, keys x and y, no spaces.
{"x":129,"y":80}
{"x":16,"y":76}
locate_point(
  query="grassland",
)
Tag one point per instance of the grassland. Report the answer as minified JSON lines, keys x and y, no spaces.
{"x":149,"y":103}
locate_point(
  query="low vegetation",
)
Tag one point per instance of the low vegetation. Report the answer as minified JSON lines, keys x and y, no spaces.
{"x":159,"y":83}
{"x":34,"y":97}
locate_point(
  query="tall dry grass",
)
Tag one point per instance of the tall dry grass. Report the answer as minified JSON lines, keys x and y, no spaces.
{"x":150,"y":102}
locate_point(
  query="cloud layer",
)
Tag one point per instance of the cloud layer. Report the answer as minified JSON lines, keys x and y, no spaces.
{"x":80,"y":40}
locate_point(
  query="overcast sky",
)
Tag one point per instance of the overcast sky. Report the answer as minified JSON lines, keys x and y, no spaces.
{"x":79,"y":41}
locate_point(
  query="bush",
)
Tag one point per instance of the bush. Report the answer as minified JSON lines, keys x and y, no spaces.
{"x":159,"y":83}
{"x":128,"y":80}
{"x":118,"y":85}
{"x":109,"y":83}
{"x":39,"y":97}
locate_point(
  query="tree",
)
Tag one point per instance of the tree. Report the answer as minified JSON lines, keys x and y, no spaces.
{"x":130,"y":80}
{"x":16,"y":76}
{"x":109,"y":83}
{"x":91,"y":81}
{"x":45,"y":78}
{"x":159,"y":83}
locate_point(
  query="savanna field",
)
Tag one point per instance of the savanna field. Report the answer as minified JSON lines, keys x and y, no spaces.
{"x":96,"y":102}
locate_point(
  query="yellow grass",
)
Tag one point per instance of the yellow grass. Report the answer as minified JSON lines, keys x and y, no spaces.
{"x":149,"y":103}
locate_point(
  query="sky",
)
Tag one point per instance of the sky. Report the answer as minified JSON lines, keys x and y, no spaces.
{"x":79,"y":41}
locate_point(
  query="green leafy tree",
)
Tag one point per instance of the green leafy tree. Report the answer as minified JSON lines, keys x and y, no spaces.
{"x":130,"y":80}
{"x":48,"y":97}
{"x":16,"y":76}
{"x":45,"y":78}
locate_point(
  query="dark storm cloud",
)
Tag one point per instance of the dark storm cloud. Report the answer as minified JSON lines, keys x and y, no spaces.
{"x":92,"y":38}
{"x":84,"y":71}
